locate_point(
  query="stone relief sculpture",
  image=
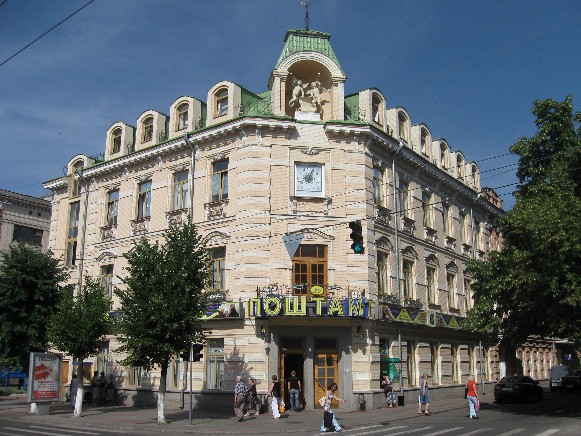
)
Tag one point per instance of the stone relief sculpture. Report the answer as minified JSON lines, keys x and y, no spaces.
{"x":306,"y":97}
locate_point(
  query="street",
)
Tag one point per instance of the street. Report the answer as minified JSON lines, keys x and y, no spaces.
{"x":558,"y":414}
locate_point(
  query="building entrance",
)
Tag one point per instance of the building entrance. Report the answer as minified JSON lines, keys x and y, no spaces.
{"x":326,"y":366}
{"x":291,"y":358}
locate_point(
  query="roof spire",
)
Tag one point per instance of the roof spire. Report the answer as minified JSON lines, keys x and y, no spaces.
{"x":306,"y":4}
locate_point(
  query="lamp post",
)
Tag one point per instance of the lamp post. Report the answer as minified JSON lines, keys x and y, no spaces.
{"x":397,"y":277}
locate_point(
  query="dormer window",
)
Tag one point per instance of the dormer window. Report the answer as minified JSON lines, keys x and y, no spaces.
{"x":460,"y":167}
{"x":475,"y":176}
{"x":443,"y":156}
{"x":424,"y":142}
{"x":376,"y":109}
{"x":147,"y":127}
{"x":403,"y":126}
{"x":116,"y":140}
{"x":76,"y":182}
{"x":182,"y":112}
{"x":222,"y":102}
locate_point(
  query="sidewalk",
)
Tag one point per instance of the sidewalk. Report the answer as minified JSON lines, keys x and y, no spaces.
{"x":135,"y":419}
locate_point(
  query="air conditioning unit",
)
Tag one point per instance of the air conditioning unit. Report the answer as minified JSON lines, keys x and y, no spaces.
{"x":432,"y":318}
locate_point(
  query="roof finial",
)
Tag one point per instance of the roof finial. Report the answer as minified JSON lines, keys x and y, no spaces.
{"x":306,"y":4}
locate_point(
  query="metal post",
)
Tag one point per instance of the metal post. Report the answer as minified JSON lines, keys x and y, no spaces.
{"x":397,"y":277}
{"x":481,"y":373}
{"x":191,"y":394}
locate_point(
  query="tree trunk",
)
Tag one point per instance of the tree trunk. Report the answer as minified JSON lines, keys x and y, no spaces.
{"x":161,"y":395}
{"x":79,"y":401}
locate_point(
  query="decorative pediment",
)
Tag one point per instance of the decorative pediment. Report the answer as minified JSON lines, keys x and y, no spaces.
{"x":432,"y":259}
{"x":310,"y":234}
{"x":106,"y":255}
{"x":452,"y":267}
{"x":409,"y":252}
{"x":384,"y":243}
{"x":215,"y":238}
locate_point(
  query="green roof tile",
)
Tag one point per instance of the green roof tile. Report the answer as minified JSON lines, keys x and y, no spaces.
{"x":307,"y":40}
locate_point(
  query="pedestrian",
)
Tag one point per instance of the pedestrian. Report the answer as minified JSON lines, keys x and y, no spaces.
{"x":294,"y":389}
{"x":110,"y":396}
{"x":424,"y":396}
{"x":251,"y":398}
{"x":472,"y":395}
{"x":239,"y":398}
{"x":73,"y":389}
{"x":275,"y":392}
{"x":329,"y":397}
{"x":388,"y":391}
{"x":102,"y":388}
{"x":95,"y":387}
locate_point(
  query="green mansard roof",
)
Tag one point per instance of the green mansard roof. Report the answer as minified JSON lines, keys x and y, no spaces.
{"x":307,"y":40}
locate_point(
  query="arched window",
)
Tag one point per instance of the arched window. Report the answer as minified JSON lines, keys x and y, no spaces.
{"x":443,"y":156}
{"x":76,"y":181}
{"x":116,"y":140}
{"x":459,"y":167}
{"x":182,"y":116}
{"x":147,"y":126}
{"x":475,"y":176}
{"x":424,"y":142}
{"x":403,"y":126}
{"x":376,"y":114}
{"x":221,"y":102}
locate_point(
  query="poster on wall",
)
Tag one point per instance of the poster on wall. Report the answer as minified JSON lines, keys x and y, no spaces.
{"x":45,"y":377}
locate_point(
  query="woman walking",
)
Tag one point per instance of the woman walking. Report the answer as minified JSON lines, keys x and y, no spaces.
{"x":329,"y":396}
{"x":424,"y":395}
{"x":472,"y":395}
{"x":388,"y":391}
{"x":274,"y":391}
{"x":251,"y":398}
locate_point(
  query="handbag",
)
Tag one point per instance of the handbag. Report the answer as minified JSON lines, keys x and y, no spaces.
{"x":328,"y":419}
{"x":322,"y":401}
{"x":281,"y":408}
{"x":477,"y":407}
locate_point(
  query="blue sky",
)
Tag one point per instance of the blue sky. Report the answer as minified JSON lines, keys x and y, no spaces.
{"x":470,"y":70}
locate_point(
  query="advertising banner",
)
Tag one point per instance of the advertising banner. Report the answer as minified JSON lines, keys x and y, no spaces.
{"x":45,"y":377}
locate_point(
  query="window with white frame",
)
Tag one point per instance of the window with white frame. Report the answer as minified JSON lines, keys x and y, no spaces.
{"x":75,"y":187}
{"x":465,"y":229}
{"x":72,"y":233}
{"x":134,"y":374}
{"x":112,"y":207}
{"x":382,"y":273}
{"x":424,"y":142}
{"x":431,"y":284}
{"x":182,"y":112}
{"x":447,"y":220}
{"x":218,"y":256}
{"x":459,"y":167}
{"x":443,"y":156}
{"x":376,"y":114}
{"x":427,"y":210}
{"x":220,"y":180}
{"x":403,"y":126}
{"x":107,"y":280}
{"x":144,"y":200}
{"x":116,"y":140}
{"x":180,"y":190}
{"x":404,"y":198}
{"x":451,"y":282}
{"x":215,"y":364}
{"x":103,"y":359}
{"x":408,"y":278}
{"x":221,"y":101}
{"x":147,"y":129}
{"x":477,"y":235}
{"x":378,"y":187}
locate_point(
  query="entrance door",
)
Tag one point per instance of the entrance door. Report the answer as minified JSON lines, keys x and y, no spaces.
{"x":291,"y":359}
{"x":325,"y":374}
{"x":64,"y":377}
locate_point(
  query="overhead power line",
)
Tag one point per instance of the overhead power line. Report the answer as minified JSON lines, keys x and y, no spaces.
{"x":45,"y":33}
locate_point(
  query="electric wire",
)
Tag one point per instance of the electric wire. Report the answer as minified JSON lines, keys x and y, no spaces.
{"x":45,"y":33}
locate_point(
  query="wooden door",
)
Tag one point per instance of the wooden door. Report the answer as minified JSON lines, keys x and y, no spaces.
{"x":325,"y":374}
{"x":64,"y":377}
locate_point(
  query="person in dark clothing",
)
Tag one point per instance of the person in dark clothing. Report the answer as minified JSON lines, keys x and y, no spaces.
{"x":251,"y":398}
{"x":294,"y":389}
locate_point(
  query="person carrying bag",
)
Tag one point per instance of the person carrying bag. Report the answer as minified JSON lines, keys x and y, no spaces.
{"x":329,"y":419}
{"x":472,"y":395}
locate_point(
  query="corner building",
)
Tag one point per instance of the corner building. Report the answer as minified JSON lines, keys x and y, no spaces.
{"x":277,"y":178}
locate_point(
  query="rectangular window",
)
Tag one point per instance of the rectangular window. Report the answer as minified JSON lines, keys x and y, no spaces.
{"x":382,"y":276}
{"x":222,"y":102}
{"x":134,"y":376}
{"x":218,"y":256}
{"x":180,"y":190}
{"x":408,"y":278}
{"x":431,"y":283}
{"x":112,"y":207}
{"x":404,"y":199}
{"x":465,"y":230}
{"x":427,"y":209}
{"x":144,"y":200}
{"x":72,"y":233}
{"x":477,"y":238}
{"x":220,"y":180}
{"x":451,"y":281}
{"x":107,"y":280}
{"x":27,"y":235}
{"x":468,"y":294}
{"x":116,"y":138}
{"x":215,"y":364}
{"x":103,"y":359}
{"x":378,"y":187}
{"x":446,"y":220}
{"x":309,"y":268}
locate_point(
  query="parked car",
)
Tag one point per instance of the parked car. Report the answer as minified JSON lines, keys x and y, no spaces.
{"x":557,"y":373}
{"x":572,"y":382}
{"x":517,"y":388}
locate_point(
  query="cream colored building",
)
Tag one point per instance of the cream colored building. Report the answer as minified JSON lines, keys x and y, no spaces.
{"x":300,"y":161}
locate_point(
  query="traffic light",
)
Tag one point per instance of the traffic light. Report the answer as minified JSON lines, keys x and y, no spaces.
{"x":197,"y":352}
{"x":357,"y":237}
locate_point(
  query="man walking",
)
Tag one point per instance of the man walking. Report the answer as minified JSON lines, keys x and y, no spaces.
{"x":294,"y":388}
{"x":239,"y":398}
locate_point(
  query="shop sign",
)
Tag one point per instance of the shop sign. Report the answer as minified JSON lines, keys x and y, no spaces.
{"x":45,"y":377}
{"x":293,"y":305}
{"x":225,"y":309}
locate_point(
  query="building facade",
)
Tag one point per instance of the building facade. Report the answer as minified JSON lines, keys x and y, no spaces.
{"x":23,"y":219}
{"x":279,"y":184}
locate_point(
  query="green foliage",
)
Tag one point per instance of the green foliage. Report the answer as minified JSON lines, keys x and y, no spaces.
{"x":80,"y":324}
{"x":533,"y":286}
{"x":30,"y":285}
{"x":163,"y":298}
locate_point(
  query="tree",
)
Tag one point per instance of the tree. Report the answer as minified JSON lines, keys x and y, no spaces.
{"x":163,"y":301}
{"x":79,"y":326}
{"x":30,"y":285}
{"x":533,"y":286}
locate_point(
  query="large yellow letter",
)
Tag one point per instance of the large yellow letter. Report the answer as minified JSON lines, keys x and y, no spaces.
{"x":255,"y":307}
{"x":335,"y":307}
{"x":293,"y":308}
{"x":275,"y":310}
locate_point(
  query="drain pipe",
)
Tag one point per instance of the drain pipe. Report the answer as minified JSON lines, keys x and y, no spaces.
{"x":397,"y":276}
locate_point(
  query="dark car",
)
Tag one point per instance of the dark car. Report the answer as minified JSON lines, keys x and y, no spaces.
{"x":517,"y":388}
{"x":572,"y":382}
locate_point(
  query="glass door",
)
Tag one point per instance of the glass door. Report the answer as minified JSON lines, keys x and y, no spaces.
{"x":325,"y":374}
